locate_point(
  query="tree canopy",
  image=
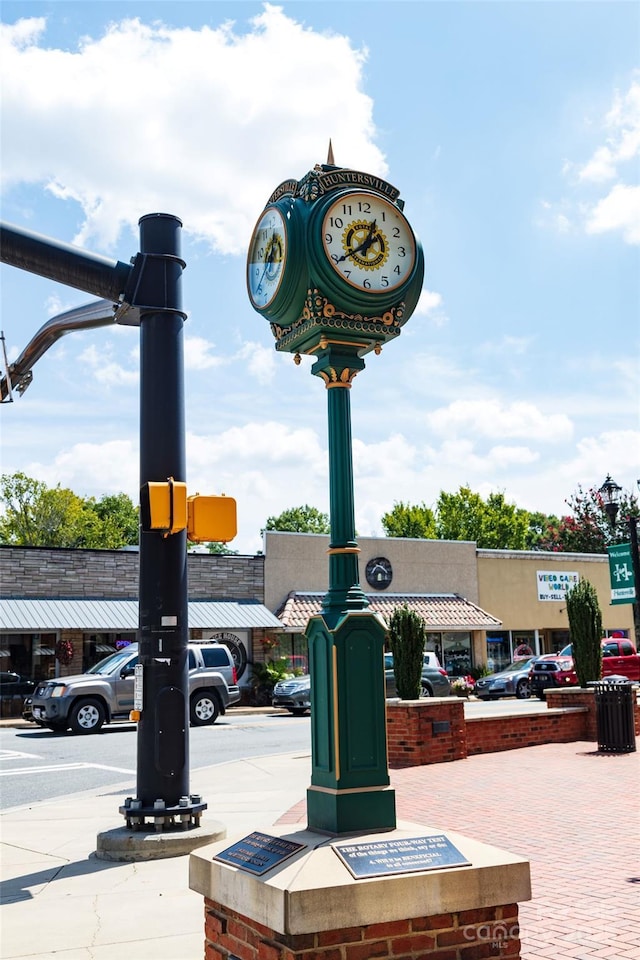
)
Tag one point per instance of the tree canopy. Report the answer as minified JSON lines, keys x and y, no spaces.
{"x":304,"y":519}
{"x":34,"y":514}
{"x":464,"y":515}
{"x":587,"y":529}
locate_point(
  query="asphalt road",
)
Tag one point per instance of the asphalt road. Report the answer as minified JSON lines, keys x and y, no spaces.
{"x":38,"y":764}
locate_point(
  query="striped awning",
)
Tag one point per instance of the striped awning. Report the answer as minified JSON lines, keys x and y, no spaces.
{"x":441,"y":611}
{"x":28,"y":615}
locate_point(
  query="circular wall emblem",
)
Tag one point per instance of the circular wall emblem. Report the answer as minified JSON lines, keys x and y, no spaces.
{"x":379,"y":573}
{"x":236,"y":649}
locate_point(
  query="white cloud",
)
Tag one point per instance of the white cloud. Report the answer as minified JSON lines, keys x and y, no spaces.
{"x":198,"y":356}
{"x":492,"y":418}
{"x":622,"y":124}
{"x":93,"y":469}
{"x":150,"y":138}
{"x":261,"y":362}
{"x":104,"y":370}
{"x":619,"y":210}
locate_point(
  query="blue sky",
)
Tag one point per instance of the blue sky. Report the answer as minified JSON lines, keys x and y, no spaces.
{"x":513,"y":133}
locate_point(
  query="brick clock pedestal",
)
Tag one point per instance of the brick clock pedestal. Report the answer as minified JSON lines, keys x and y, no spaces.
{"x":312,"y":908}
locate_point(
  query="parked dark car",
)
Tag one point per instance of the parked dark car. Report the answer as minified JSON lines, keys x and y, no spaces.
{"x":295,"y":694}
{"x":513,"y":681}
{"x":12,"y":684}
{"x":552,"y":671}
{"x":434,"y":683}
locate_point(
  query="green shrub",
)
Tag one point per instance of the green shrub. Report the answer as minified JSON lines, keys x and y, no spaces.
{"x":264,"y":677}
{"x":585,"y":627}
{"x":407,"y":634}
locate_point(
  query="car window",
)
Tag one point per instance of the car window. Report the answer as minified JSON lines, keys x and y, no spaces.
{"x":610,"y":650}
{"x":192,"y":660}
{"x":626,"y":649}
{"x":215,"y":656}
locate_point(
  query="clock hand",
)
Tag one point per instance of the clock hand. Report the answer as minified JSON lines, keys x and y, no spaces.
{"x":364,"y":246}
{"x":269,"y":260}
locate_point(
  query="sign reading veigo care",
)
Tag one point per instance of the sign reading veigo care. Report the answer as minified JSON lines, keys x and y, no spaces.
{"x":623,"y":587}
{"x":553,"y":584}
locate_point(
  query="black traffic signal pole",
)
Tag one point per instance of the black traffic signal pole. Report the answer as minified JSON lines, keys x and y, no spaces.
{"x":148,"y":293}
{"x":163,"y":728}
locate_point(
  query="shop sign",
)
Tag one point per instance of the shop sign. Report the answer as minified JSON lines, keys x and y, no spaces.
{"x":623,"y":587}
{"x":553,"y":584}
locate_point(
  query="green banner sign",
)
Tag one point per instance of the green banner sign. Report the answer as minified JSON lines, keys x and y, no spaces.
{"x":623,"y":587}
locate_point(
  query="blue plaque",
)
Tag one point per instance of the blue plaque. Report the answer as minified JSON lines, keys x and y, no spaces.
{"x":259,"y":852}
{"x":399,"y":855}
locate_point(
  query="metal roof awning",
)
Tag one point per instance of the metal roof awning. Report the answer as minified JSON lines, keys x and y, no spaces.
{"x":442,"y":611}
{"x":101,"y":615}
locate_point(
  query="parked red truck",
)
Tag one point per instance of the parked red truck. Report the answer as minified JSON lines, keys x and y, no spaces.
{"x":619,"y":659}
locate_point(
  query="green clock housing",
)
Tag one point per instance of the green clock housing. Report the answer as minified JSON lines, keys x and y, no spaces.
{"x":276,"y":278}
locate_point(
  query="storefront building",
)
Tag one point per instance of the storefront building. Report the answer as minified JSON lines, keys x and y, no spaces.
{"x":513,"y":601}
{"x":61,"y":611}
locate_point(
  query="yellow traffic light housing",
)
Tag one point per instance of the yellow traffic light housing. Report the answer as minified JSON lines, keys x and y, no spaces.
{"x":163,"y":506}
{"x":211,"y":518}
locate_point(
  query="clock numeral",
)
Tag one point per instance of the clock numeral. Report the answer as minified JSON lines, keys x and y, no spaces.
{"x":328,"y":238}
{"x":347,"y":273}
{"x":396,"y":232}
{"x":402,"y":252}
{"x":366,"y":284}
{"x":336,"y":222}
{"x":364,"y":207}
{"x":346,"y":209}
{"x":384,"y":281}
{"x":397,"y":269}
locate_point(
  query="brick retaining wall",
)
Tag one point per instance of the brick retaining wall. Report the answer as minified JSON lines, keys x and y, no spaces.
{"x":435,"y":730}
{"x":468,"y":935}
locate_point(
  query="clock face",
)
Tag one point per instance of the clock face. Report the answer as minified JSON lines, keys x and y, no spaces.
{"x":368,"y":242}
{"x":379,"y":573}
{"x":266,"y":259}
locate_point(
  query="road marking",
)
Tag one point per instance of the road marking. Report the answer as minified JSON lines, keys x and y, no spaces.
{"x":17,"y":755}
{"x":64,"y":766}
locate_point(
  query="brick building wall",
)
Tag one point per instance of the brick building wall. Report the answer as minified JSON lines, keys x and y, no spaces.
{"x":42,"y":572}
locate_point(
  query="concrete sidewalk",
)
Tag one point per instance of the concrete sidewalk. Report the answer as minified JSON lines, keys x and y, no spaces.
{"x":571,"y":811}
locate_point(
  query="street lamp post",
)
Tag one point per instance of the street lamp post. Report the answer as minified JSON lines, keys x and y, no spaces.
{"x":610,"y":492}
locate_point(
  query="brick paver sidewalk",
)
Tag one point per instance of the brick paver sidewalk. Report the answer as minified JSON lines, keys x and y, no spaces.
{"x":572,"y":812}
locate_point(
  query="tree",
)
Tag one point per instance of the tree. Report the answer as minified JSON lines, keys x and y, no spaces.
{"x":219,"y":548}
{"x":41,"y":516}
{"x":407,"y":635}
{"x":119,"y":516}
{"x":406,"y":520}
{"x":587,"y":529}
{"x":539,"y":526}
{"x":492,"y":524}
{"x":585,"y":627}
{"x":303,"y":519}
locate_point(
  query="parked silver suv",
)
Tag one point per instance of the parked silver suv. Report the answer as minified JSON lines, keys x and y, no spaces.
{"x":105,"y":693}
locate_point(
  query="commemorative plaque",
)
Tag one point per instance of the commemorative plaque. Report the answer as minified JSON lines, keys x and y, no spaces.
{"x":259,"y":852}
{"x":403,"y":855}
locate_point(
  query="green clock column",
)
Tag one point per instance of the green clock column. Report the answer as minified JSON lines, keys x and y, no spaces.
{"x":350,"y":777}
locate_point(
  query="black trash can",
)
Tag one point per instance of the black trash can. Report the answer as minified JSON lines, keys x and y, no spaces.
{"x":614,"y":715}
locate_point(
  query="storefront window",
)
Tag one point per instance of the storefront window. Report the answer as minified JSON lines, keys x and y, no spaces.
{"x":456,"y":648}
{"x":498,"y":651}
{"x":31,"y":655}
{"x":97,"y":646}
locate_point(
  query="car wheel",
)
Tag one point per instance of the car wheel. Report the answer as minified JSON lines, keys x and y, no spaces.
{"x":298,"y":711}
{"x":87,"y":716}
{"x":204,"y":708}
{"x":425,"y":690}
{"x":540,"y":693}
{"x":523,"y":690}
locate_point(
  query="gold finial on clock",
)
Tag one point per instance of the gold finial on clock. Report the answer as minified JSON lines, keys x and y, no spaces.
{"x":330,"y":159}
